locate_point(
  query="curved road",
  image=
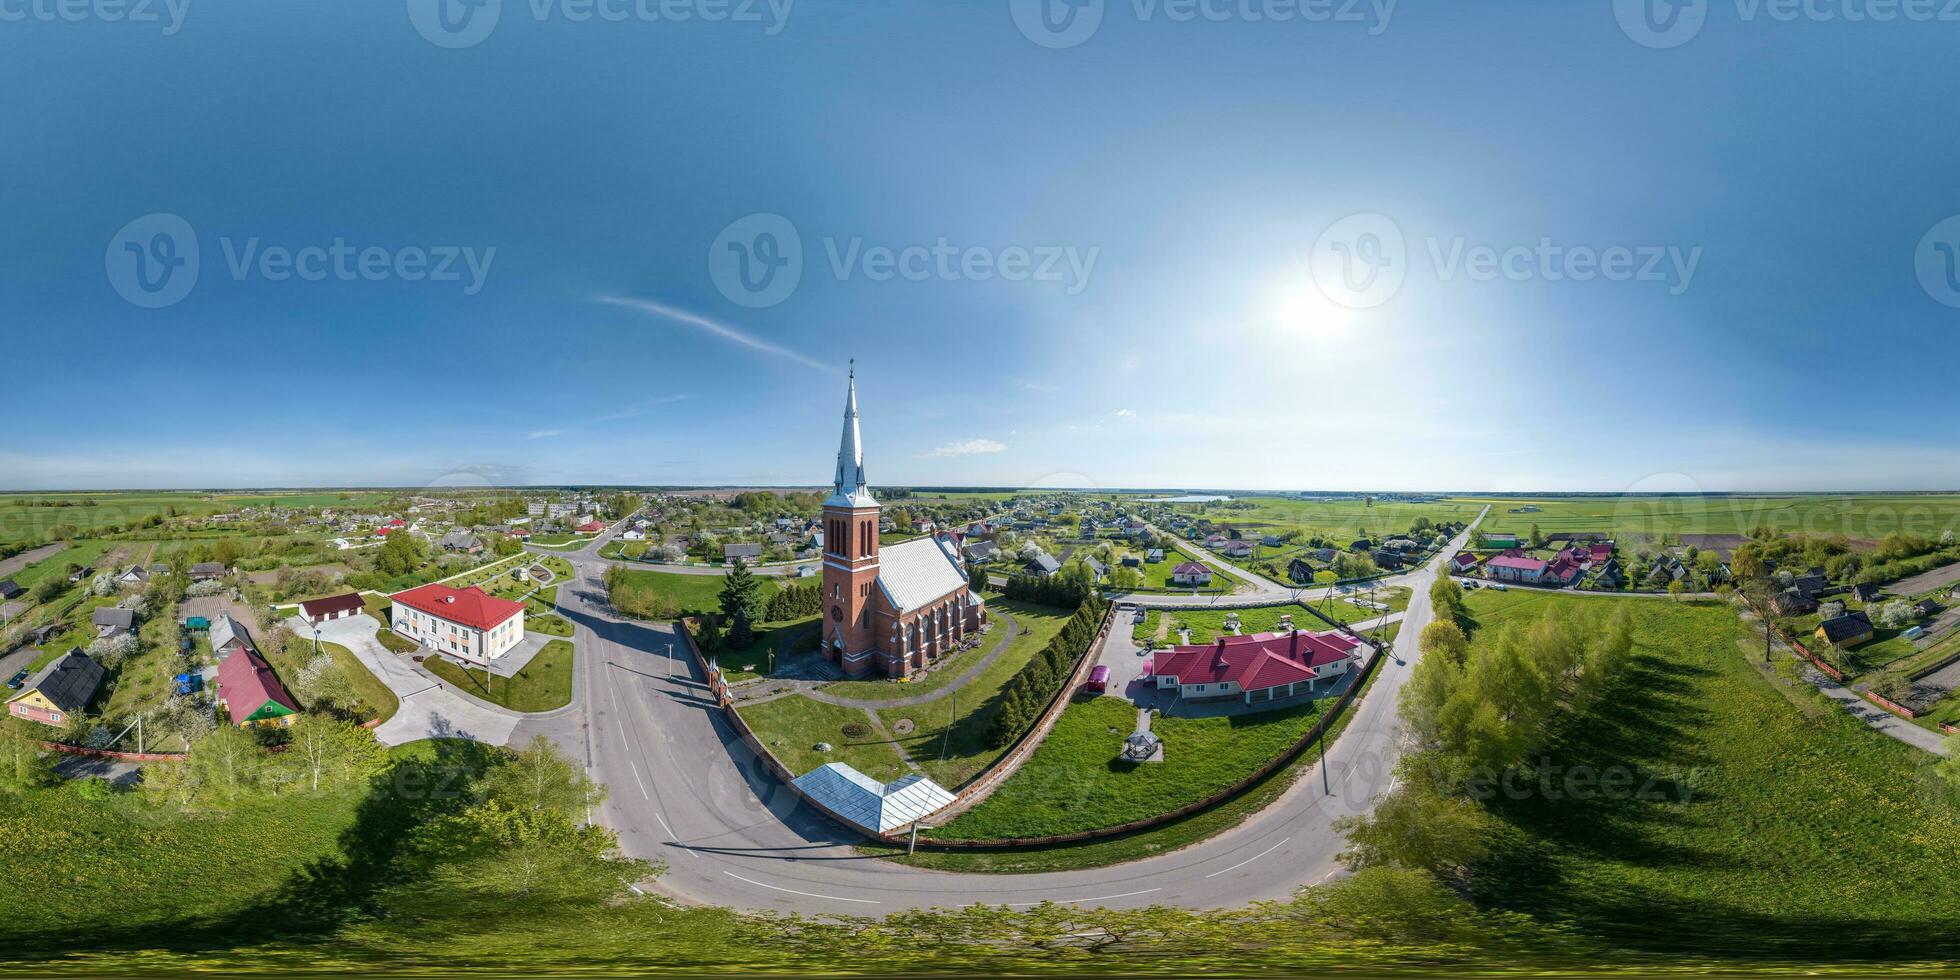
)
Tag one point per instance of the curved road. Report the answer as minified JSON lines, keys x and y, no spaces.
{"x":685,"y":791}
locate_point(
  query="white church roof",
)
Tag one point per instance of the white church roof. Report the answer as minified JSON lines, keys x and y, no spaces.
{"x":919,"y":572}
{"x":869,"y":804}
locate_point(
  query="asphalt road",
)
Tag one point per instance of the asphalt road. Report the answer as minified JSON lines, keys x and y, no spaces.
{"x":685,"y":792}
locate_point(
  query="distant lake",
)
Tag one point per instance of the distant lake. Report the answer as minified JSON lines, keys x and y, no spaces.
{"x":1190,"y":498}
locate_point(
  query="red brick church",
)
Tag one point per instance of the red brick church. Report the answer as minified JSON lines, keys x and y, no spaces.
{"x":891,"y":610}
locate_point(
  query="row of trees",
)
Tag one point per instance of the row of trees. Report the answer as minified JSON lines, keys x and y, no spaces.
{"x":1031,"y":690}
{"x":1478,"y":712}
{"x":1072,"y":586}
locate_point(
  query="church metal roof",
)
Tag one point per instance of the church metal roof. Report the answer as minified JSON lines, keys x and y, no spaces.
{"x":870,"y":804}
{"x":918,"y":573}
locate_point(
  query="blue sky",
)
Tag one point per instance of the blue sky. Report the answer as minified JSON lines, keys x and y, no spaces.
{"x":1119,"y":249}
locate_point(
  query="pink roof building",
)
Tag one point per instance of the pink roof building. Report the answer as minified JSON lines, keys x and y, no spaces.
{"x":1257,"y":667}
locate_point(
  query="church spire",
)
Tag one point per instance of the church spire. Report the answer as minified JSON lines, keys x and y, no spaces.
{"x":849,"y":487}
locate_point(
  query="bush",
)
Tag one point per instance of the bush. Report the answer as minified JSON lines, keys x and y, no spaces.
{"x":856,"y":730}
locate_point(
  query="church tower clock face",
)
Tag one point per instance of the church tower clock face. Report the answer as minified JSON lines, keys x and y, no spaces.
{"x":837,"y":613}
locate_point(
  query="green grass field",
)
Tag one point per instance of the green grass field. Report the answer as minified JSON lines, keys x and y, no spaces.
{"x":1776,"y":825}
{"x":541,"y":685}
{"x":1076,"y":782}
{"x":779,"y":638}
{"x":1865,"y":517}
{"x":693,"y":594}
{"x":793,"y":726}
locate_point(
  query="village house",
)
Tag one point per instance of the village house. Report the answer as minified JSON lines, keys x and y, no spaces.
{"x":251,"y":693}
{"x":1191,"y":573}
{"x":58,"y":691}
{"x":1516,"y":568}
{"x":1847,"y":630}
{"x":749,"y":551}
{"x":112,"y":621}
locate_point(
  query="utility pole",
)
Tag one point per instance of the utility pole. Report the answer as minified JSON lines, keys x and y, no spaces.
{"x":913,"y":847}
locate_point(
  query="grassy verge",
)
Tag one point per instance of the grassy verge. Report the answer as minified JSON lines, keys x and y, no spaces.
{"x":541,"y":685}
{"x":690,"y":594}
{"x":379,"y":701}
{"x":793,"y":726}
{"x":942,"y":674}
{"x":548,"y":625}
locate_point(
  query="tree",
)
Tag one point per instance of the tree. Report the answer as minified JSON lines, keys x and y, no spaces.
{"x":23,"y":764}
{"x":741,"y":603}
{"x":334,"y":749}
{"x":1676,"y":589}
{"x":1420,"y":826}
{"x":1446,"y":596}
{"x":539,"y":779}
{"x":1537,"y":537}
{"x":226,"y":761}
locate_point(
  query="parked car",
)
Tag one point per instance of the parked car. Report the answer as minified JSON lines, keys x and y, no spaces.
{"x":1098,"y":679}
{"x":16,"y":681}
{"x":1499,"y":587}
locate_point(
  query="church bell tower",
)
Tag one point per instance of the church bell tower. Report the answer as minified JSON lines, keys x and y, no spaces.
{"x":850,"y":560}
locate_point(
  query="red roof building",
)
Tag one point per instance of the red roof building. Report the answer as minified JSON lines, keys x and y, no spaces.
{"x":592,"y":527}
{"x":332,"y":607}
{"x":1258,"y":667}
{"x":1191,"y":573}
{"x":1463,"y":561}
{"x":467,"y":624}
{"x":251,"y":692}
{"x":1599,"y":552}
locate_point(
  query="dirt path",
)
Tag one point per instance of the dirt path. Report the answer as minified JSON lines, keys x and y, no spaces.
{"x":1933,"y":581}
{"x":9,"y":566}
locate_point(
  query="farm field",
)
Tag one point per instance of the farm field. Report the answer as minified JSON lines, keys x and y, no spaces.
{"x":1333,"y":519}
{"x":949,"y":741}
{"x":1728,"y":853}
{"x":1861,"y":517}
{"x":31,"y":516}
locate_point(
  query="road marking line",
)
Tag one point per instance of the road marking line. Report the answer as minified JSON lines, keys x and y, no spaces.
{"x":1068,"y":901}
{"x":1251,"y":859}
{"x":792,"y":891}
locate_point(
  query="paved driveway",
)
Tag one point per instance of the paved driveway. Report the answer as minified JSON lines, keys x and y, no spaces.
{"x":428,"y":710}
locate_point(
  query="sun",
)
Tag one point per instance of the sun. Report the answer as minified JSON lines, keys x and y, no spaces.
{"x":1300,"y":310}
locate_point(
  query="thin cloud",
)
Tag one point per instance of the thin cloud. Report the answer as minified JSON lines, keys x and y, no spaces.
{"x":1126,"y":413}
{"x":1036,"y":386}
{"x":715,"y":327}
{"x":968,"y":447}
{"x":545,"y":433}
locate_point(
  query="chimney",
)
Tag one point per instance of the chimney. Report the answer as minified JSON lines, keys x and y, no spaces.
{"x":1218,"y":662}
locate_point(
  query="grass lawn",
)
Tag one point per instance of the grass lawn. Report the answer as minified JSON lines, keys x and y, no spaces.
{"x":1631,"y":518}
{"x":548,"y":625}
{"x":1776,"y":826}
{"x":781,"y":638}
{"x":948,"y":670}
{"x":1157,"y":575}
{"x":693,"y":594}
{"x":792,"y":727}
{"x":949,"y":740}
{"x":541,"y":685}
{"x":1076,"y":782}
